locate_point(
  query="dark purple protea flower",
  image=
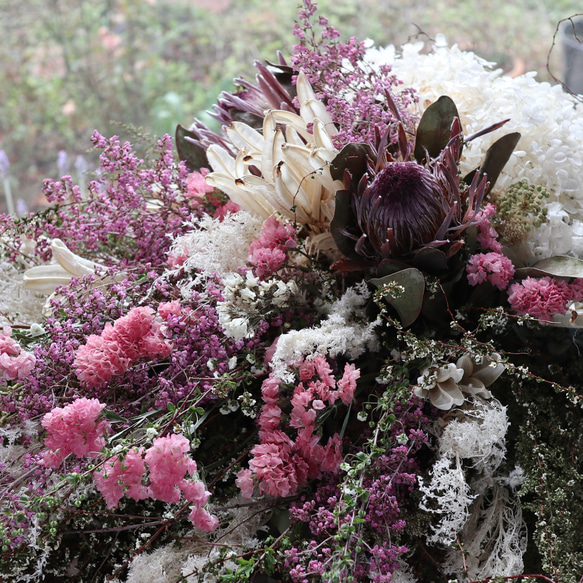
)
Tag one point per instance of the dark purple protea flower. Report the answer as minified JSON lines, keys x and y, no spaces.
{"x":401,"y":211}
{"x":409,"y":205}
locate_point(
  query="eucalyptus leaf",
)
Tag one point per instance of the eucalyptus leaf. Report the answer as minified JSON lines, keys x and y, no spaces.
{"x":408,"y":304}
{"x":434,"y":130}
{"x":557,"y":266}
{"x":344,"y":221}
{"x":192,"y":155}
{"x":353,"y":158}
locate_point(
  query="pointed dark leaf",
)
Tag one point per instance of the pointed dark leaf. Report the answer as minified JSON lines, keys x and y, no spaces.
{"x":353,"y":158}
{"x":408,"y":304}
{"x":192,"y":155}
{"x":434,"y":130}
{"x":344,"y":221}
{"x":557,"y":266}
{"x":497,"y":156}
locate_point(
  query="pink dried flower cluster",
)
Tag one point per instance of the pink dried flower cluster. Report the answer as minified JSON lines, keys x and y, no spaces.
{"x":487,"y":235}
{"x":75,"y":428}
{"x":15,"y":363}
{"x":493,"y":267}
{"x":281,"y":464}
{"x":196,"y":186}
{"x":541,"y":298}
{"x":170,"y":468}
{"x":268,"y":253}
{"x":131,"y":337}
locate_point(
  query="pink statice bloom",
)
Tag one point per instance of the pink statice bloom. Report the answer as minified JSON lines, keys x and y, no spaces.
{"x":135,"y":335}
{"x":99,"y":360}
{"x":118,"y":477}
{"x":347,"y":384}
{"x":224,"y":209}
{"x":268,"y":253}
{"x":203,"y":520}
{"x":196,"y":186}
{"x":271,"y":464}
{"x":15,"y":363}
{"x":75,"y":428}
{"x":138,"y":334}
{"x":169,"y":462}
{"x":493,"y":267}
{"x":487,"y":235}
{"x":541,"y":298}
{"x":245,"y":483}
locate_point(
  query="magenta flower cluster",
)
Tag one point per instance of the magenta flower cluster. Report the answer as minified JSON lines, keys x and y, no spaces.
{"x":382,"y":490}
{"x":364,"y":102}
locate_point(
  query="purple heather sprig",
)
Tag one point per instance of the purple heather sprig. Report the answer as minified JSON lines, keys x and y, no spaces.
{"x":365,"y":103}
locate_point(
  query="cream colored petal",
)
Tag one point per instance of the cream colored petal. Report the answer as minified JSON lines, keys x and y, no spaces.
{"x":310,"y":107}
{"x":243,"y":136}
{"x":487,"y":374}
{"x":71,"y":262}
{"x":322,"y":138}
{"x":444,"y":397}
{"x":272,"y":153}
{"x":46,"y":278}
{"x":294,"y":121}
{"x":221,"y":161}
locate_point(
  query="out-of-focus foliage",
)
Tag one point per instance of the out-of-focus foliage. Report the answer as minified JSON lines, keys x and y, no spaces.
{"x":71,"y":66}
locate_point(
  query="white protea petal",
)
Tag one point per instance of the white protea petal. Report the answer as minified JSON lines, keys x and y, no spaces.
{"x":272,"y":152}
{"x":322,"y":138}
{"x":310,"y":106}
{"x":46,"y":278}
{"x":292,"y":120}
{"x":220,"y":161}
{"x":243,"y":136}
{"x":72,"y":263}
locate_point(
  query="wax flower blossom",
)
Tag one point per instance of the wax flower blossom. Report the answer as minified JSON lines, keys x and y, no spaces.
{"x":75,"y":428}
{"x":15,"y":363}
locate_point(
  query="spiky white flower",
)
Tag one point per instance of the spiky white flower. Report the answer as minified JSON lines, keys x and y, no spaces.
{"x":292,"y":154}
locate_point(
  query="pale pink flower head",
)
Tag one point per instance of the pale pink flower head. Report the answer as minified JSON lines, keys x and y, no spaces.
{"x":169,"y":462}
{"x":347,"y":384}
{"x":15,"y":363}
{"x":196,"y":186}
{"x":541,"y":298}
{"x":75,"y":428}
{"x":203,"y":520}
{"x":487,"y":235}
{"x":268,"y":253}
{"x":99,"y":360}
{"x":117,"y":478}
{"x":138,"y":334}
{"x":493,"y":267}
{"x":224,"y":209}
{"x":245,"y":483}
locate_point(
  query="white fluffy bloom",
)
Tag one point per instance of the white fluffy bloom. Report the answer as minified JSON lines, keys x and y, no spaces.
{"x":21,"y":305}
{"x":216,"y":247}
{"x":550,"y":151}
{"x":345,"y":330}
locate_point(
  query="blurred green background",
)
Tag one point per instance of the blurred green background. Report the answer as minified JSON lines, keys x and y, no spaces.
{"x":71,"y":66}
